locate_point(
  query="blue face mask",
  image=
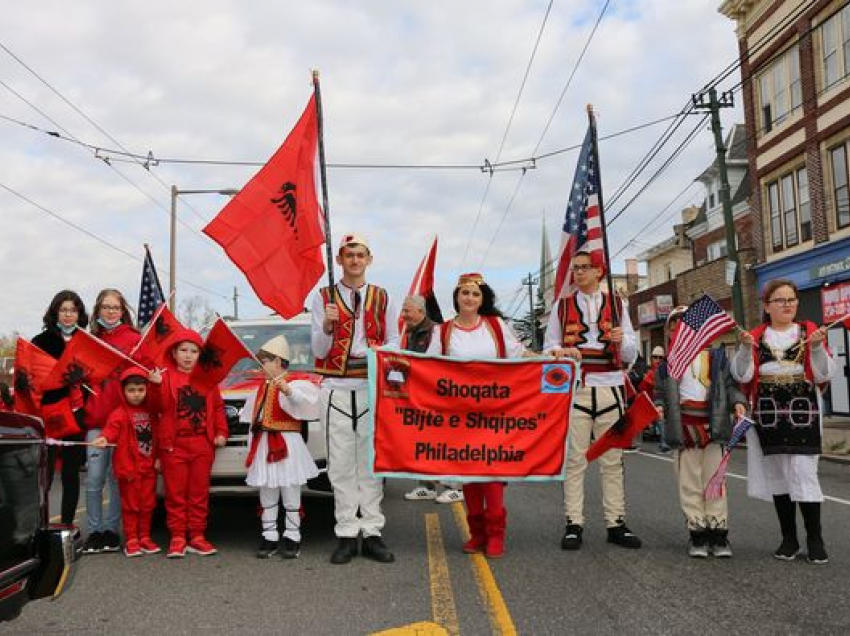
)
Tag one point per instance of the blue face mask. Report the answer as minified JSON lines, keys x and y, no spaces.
{"x":66,"y":331}
{"x":108,"y":325}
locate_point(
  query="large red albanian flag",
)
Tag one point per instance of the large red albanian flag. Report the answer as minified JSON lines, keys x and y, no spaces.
{"x":272,"y":229}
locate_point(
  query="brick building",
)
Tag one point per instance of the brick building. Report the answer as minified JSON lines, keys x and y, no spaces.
{"x":795,"y":71}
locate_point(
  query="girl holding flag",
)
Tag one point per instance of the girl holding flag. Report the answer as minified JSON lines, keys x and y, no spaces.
{"x":784,"y":362}
{"x":478,"y":331}
{"x":113,"y":324}
{"x":65,"y":314}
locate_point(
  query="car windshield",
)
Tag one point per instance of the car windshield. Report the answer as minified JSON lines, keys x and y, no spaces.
{"x":298,"y":336}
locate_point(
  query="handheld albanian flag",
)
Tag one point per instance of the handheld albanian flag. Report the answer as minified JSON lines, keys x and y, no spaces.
{"x":640,"y":413}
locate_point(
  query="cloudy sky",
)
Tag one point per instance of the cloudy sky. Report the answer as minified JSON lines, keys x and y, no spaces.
{"x":402,"y":83}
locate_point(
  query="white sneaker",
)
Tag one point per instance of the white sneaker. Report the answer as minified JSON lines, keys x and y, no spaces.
{"x":450,"y":495}
{"x":420,"y":493}
{"x":698,"y":551}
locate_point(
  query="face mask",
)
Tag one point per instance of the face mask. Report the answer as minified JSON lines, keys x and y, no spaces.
{"x":66,"y":331}
{"x":108,"y":325}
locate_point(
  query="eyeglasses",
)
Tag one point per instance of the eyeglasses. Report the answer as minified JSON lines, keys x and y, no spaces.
{"x":784,"y":302}
{"x":582,"y":268}
{"x":111,"y":307}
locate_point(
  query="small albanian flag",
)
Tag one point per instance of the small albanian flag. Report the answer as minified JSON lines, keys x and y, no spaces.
{"x":32,"y":366}
{"x":86,"y":360}
{"x":220,"y":352}
{"x":640,"y":413}
{"x":158,"y":336}
{"x":59,"y":420}
{"x":423,"y":285}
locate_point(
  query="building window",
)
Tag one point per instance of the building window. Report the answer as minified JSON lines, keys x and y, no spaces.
{"x":835,"y":47}
{"x":780,"y":91}
{"x":710,"y":200}
{"x":840,"y":187}
{"x":790,"y":210}
{"x":717,"y":250}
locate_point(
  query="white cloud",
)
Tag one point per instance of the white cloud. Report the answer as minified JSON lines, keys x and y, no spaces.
{"x":402,"y":83}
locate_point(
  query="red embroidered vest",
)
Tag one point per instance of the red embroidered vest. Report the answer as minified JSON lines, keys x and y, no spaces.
{"x":493,"y":326}
{"x":273,"y":417}
{"x":574,"y":330}
{"x":375,"y":320}
{"x":806,"y":329}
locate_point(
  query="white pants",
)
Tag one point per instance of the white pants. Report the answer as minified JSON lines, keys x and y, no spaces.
{"x":349,"y":454}
{"x":291,"y":498}
{"x":694,"y":468}
{"x":604,"y":406}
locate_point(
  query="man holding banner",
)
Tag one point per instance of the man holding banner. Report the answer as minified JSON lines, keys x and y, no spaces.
{"x":347,"y":321}
{"x":580,"y":326}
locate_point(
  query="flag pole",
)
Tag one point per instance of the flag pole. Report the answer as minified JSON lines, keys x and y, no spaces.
{"x":614,"y":309}
{"x":323,"y":172}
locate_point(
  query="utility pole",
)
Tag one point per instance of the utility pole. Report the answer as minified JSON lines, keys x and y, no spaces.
{"x":714,"y":105}
{"x":532,"y":319}
{"x":235,"y":303}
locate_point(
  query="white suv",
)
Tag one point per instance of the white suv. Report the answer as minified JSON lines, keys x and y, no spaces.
{"x":228,"y":471}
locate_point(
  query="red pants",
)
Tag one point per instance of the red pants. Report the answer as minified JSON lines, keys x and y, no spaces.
{"x":138,"y":499}
{"x":186,"y":472}
{"x":489,"y":495}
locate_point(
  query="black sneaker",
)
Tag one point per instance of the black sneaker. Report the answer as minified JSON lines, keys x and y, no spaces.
{"x":374,"y":548}
{"x":622,"y":536}
{"x":816,"y":553}
{"x":111,"y":542}
{"x":290,"y":549}
{"x":345,"y":550}
{"x":572,"y":537}
{"x":267,"y":549}
{"x":788,"y":550}
{"x":93,"y":544}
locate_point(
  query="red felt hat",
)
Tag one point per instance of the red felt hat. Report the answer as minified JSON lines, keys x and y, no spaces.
{"x":187,"y":335}
{"x":133,"y":372}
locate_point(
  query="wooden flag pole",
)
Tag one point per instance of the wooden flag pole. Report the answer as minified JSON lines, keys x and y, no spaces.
{"x":323,"y":172}
{"x":615,"y":314}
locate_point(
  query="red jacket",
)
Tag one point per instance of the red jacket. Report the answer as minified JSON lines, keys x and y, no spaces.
{"x":128,"y":461}
{"x":163,"y":399}
{"x":99,"y":407}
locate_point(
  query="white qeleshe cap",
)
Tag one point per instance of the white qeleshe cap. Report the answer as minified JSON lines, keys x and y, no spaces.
{"x":277,"y":346}
{"x":353,"y":239}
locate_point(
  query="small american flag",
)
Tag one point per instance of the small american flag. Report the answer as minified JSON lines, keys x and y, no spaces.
{"x":150,"y":294}
{"x":701,"y":323}
{"x":715,"y":487}
{"x":582,"y":230}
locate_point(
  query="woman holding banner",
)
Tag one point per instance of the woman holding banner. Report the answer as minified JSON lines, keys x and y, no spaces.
{"x":478,"y":331}
{"x":783,"y":363}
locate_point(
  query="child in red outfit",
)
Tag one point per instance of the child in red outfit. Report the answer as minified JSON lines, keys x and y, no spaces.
{"x":130,"y":426}
{"x":192,"y":424}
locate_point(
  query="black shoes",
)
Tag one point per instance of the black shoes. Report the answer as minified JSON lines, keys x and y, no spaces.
{"x":620,"y":535}
{"x":290,"y":549}
{"x":93,"y":544}
{"x":572,"y":537}
{"x":815,"y":552}
{"x":346,"y":550}
{"x":267,"y":549}
{"x":111,"y":542}
{"x":788,"y":550}
{"x":374,"y":548}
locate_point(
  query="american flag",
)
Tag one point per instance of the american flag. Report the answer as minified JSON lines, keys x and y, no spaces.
{"x":701,"y":323}
{"x":150,"y":295}
{"x":582,"y":229}
{"x":714,"y":488}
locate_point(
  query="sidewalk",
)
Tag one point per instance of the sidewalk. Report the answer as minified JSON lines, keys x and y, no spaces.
{"x":836,"y":439}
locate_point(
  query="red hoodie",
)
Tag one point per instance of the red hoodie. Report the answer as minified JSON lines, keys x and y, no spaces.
{"x":133,"y":429}
{"x":180,"y":407}
{"x":109,"y":395}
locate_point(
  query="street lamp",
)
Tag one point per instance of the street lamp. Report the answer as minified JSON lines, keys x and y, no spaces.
{"x":172,"y":274}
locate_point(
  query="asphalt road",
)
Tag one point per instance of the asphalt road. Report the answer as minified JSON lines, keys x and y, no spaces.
{"x":535,"y":589}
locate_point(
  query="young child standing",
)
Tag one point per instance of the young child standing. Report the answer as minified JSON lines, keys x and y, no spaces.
{"x":130,"y":427}
{"x":192,"y":424}
{"x":279,"y":462}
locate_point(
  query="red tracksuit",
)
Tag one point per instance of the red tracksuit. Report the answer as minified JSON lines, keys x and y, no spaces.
{"x":132,"y":429}
{"x":189,"y":423}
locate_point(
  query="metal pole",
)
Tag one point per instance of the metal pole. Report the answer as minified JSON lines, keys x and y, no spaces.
{"x":235,"y":303}
{"x":172,"y":252}
{"x":532,"y":319}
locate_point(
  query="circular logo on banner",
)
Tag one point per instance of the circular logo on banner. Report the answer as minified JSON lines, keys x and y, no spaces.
{"x":557,"y":378}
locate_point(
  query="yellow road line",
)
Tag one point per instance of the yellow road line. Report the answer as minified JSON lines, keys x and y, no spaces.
{"x":443,"y":605}
{"x":497,"y":610}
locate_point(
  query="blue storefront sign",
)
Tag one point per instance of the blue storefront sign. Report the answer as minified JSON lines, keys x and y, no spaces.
{"x":816,"y":267}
